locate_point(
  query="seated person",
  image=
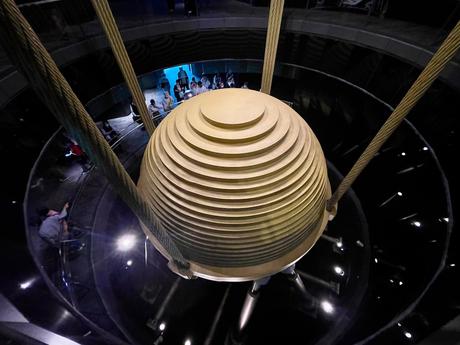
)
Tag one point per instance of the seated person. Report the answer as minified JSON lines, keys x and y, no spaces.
{"x":154,"y":112}
{"x":194,"y":88}
{"x":205,"y":81}
{"x":80,"y":156}
{"x":201,"y":88}
{"x":168,"y":102}
{"x":108,"y":132}
{"x":179,"y":91}
{"x":153,"y":109}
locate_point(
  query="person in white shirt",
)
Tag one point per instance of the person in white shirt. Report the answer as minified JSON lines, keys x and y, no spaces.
{"x":205,"y":81}
{"x":193,"y":88}
{"x":167,"y":102}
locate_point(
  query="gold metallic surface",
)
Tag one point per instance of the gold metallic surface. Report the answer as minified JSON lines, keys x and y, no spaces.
{"x":239,"y":181}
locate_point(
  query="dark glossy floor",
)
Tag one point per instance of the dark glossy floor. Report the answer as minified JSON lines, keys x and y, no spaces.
{"x":367,"y":276}
{"x":142,"y":294}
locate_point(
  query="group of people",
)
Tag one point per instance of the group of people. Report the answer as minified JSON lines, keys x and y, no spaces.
{"x":184,"y":89}
{"x":155,"y":110}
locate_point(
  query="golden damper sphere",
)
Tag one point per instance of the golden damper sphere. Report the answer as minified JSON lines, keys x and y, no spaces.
{"x":239,"y":181}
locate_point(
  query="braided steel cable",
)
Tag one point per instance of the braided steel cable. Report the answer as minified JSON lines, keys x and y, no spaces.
{"x":431,"y":71}
{"x":271,"y":44}
{"x":26,"y":51}
{"x":107,"y":21}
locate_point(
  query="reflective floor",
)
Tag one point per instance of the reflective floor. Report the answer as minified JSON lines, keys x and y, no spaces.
{"x":148,"y":301}
{"x":362,"y":282}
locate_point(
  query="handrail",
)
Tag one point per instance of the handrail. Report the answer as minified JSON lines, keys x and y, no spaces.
{"x":56,"y":292}
{"x":38,"y":3}
{"x":329,"y":76}
{"x":119,"y":139}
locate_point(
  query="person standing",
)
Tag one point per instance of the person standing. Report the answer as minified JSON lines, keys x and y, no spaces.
{"x":164,"y":83}
{"x":183,"y":77}
{"x":216,"y":81}
{"x":230,"y":80}
{"x":54,"y":227}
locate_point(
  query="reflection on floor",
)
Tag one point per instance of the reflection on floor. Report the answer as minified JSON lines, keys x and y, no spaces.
{"x":147,"y":301}
{"x":126,"y":277}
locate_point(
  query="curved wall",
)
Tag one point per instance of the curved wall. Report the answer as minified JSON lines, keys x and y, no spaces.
{"x":407,"y":42}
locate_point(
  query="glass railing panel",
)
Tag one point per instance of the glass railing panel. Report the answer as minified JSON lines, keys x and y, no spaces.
{"x":343,"y":116}
{"x":62,"y":175}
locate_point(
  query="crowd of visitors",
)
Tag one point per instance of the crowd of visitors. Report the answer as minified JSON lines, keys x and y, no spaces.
{"x":184,"y":89}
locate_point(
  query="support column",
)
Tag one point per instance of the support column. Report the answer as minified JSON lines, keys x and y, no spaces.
{"x":271,"y":44}
{"x":105,"y":16}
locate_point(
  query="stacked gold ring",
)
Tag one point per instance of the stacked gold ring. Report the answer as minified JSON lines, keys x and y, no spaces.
{"x":239,"y":181}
